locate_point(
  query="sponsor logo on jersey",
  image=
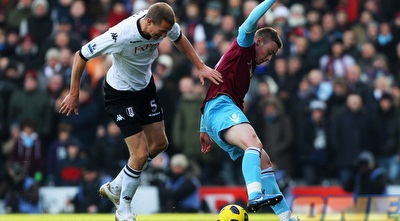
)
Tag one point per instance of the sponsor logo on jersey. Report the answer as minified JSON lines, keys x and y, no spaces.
{"x":133,"y":42}
{"x":130,"y":112}
{"x":145,"y":48}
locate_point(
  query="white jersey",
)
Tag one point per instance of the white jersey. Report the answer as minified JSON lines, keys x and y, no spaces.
{"x":132,"y":53}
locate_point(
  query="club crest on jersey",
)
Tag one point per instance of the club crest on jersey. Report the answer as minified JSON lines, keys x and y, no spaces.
{"x":130,"y":112}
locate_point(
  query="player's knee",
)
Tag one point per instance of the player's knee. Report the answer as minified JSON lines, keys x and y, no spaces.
{"x":161,"y":145}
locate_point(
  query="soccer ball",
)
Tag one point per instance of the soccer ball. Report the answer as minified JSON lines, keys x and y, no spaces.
{"x":233,"y":212}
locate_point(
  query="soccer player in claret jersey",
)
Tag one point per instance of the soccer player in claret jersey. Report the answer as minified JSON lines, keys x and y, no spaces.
{"x":130,"y":94}
{"x":224,"y":122}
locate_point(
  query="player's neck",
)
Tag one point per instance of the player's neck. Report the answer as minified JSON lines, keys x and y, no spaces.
{"x":143,"y":26}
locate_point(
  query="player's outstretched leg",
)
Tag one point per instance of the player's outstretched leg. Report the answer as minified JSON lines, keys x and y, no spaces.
{"x":261,"y":200}
{"x":252,"y":175}
{"x":270,"y":186}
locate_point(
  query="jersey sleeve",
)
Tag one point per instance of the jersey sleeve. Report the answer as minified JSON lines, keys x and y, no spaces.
{"x":248,"y":28}
{"x":175,"y":33}
{"x":110,"y":42}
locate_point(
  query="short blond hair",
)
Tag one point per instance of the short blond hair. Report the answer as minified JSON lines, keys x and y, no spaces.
{"x":161,"y":11}
{"x":268,"y":34}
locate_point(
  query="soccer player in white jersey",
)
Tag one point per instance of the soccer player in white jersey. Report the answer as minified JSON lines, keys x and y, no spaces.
{"x":130,"y":94}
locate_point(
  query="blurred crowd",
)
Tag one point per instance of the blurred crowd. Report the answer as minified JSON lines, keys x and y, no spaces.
{"x":331,"y":93}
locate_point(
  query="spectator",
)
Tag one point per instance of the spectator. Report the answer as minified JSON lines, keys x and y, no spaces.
{"x":313,"y":150}
{"x":355,"y":82}
{"x":80,"y":21}
{"x":277,"y":135}
{"x":18,"y":13}
{"x":297,"y":19}
{"x":335,"y":63}
{"x":365,"y":61}
{"x":185,"y":124}
{"x":388,"y":127}
{"x":342,"y":20}
{"x":157,"y":173}
{"x":329,"y":26}
{"x":286,"y":83}
{"x":66,"y":60}
{"x":69,"y":170}
{"x":317,"y":46}
{"x":352,"y":131}
{"x":13,"y":38}
{"x":300,"y":49}
{"x":54,"y":88}
{"x":366,"y":177}
{"x":212,"y":18}
{"x":31,"y":103}
{"x":110,"y":151}
{"x":181,"y":192}
{"x":7,"y":147}
{"x":99,"y":26}
{"x":51,"y":67}
{"x":350,"y":45}
{"x":295,"y":72}
{"x":386,"y":42}
{"x":85,"y":124}
{"x":57,"y":151}
{"x":372,"y":33}
{"x":321,"y":87}
{"x":63,"y":37}
{"x":27,"y":52}
{"x":30,"y":151}
{"x":360,"y":28}
{"x":19,"y":191}
{"x":396,"y":66}
{"x":380,"y":68}
{"x":234,"y":8}
{"x":380,"y":87}
{"x":337,"y":101}
{"x":61,"y":10}
{"x":192,"y":19}
{"x":87,"y":199}
{"x":117,"y":13}
{"x":299,"y":106}
{"x":38,"y":25}
{"x":229,"y":27}
{"x":2,"y":122}
{"x":11,"y":81}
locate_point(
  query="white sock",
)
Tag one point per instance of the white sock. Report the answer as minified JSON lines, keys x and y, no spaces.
{"x":115,"y":185}
{"x":285,"y":216}
{"x":130,"y":183}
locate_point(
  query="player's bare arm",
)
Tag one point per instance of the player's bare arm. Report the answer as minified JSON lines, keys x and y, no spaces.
{"x":204,"y":71}
{"x":71,"y":101}
{"x":206,"y":142}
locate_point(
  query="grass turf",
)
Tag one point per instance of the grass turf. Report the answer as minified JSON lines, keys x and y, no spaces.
{"x":110,"y":217}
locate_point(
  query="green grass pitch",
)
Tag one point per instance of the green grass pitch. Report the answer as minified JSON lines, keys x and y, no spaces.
{"x":110,"y":217}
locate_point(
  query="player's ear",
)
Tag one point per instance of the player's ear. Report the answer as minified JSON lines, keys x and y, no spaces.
{"x":259,"y":41}
{"x":149,"y":21}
